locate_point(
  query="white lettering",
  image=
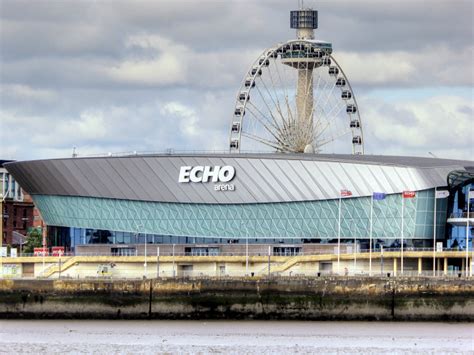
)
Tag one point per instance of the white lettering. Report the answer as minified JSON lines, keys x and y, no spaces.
{"x":194,"y":174}
{"x":206,"y":173}
{"x":227,"y":173}
{"x":184,"y":174}
{"x":210,"y":172}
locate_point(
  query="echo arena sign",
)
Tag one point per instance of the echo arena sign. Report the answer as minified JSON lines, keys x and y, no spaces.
{"x":203,"y":174}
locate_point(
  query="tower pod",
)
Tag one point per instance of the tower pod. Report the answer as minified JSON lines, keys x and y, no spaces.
{"x":234,"y":144}
{"x":326,"y":61}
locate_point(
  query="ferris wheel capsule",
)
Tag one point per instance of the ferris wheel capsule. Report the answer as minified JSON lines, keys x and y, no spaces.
{"x":333,"y":71}
{"x":326,"y":61}
{"x":357,"y":140}
{"x":249,"y":83}
{"x":239,"y":111}
{"x":341,"y":82}
{"x":355,"y":124}
{"x":351,"y":109}
{"x":244,"y":96}
{"x":256,"y":71}
{"x":295,"y":107}
{"x":236,"y":127}
{"x":346,"y":95}
{"x":264,"y":62}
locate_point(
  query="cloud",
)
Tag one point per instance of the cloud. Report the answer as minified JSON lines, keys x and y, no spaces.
{"x":154,"y":75}
{"x":440,"y":124}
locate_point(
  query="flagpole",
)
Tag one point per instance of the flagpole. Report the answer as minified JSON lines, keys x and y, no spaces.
{"x":370,"y":233}
{"x":467,"y":229}
{"x":339,"y":238}
{"x":434,"y":235}
{"x":403,"y":225}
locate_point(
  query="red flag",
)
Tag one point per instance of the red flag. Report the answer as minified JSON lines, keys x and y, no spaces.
{"x":346,"y":193}
{"x":409,"y":194}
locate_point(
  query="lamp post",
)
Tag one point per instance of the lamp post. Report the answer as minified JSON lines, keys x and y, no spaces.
{"x":145,"y":264}
{"x":2,"y":200}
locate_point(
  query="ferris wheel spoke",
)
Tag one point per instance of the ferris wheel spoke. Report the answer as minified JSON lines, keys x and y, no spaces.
{"x":332,"y":139}
{"x":275,"y":102}
{"x":285,"y":91}
{"x":264,"y":141}
{"x":295,"y":101}
{"x":270,"y":129}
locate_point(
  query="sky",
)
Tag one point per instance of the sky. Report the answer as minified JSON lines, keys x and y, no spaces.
{"x":121,"y":76}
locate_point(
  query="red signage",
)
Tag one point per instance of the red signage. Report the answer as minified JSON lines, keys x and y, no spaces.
{"x":409,"y":194}
{"x":57,"y":251}
{"x":346,"y":193}
{"x":40,"y":252}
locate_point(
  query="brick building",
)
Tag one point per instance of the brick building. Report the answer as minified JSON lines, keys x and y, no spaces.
{"x":19,"y":214}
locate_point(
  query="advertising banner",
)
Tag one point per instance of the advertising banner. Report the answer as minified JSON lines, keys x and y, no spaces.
{"x":409,"y":194}
{"x":379,"y":196}
{"x":13,"y":253}
{"x":346,"y":193}
{"x":57,"y":251}
{"x":40,"y":252}
{"x":3,"y":252}
{"x":442,"y":193}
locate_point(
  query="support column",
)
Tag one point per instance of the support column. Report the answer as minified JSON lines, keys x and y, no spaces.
{"x":394,"y":266}
{"x":445,"y":268}
{"x":438,"y":264}
{"x":420,"y":265}
{"x":463,"y":265}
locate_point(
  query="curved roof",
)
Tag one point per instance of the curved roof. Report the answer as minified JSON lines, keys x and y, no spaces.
{"x":260,"y":178}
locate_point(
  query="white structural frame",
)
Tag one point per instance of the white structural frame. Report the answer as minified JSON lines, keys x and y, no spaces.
{"x":272,"y":125}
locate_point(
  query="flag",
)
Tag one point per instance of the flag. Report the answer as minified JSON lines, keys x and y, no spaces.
{"x":378,"y":196}
{"x":442,"y":193}
{"x":346,"y":193}
{"x":409,"y":194}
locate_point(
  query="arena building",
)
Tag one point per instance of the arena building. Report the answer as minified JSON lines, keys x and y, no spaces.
{"x":207,"y":204}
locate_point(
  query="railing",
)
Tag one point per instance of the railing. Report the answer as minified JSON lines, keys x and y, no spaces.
{"x":250,"y":253}
{"x":461,"y":215}
{"x":165,"y":152}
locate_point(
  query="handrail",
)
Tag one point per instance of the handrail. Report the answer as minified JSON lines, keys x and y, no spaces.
{"x":250,"y":253}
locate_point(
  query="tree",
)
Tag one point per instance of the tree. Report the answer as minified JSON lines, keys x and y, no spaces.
{"x":34,"y":240}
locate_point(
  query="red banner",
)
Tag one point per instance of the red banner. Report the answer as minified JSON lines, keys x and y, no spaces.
{"x":40,"y":252}
{"x":57,"y":251}
{"x":409,"y":194}
{"x":346,"y":193}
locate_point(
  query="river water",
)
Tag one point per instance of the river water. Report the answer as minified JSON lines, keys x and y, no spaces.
{"x":233,"y":337}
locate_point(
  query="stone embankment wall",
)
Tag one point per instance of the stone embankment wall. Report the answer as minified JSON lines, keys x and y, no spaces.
{"x":282,"y":298}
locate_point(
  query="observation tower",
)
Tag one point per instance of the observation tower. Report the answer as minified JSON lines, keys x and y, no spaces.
{"x":296,"y":98}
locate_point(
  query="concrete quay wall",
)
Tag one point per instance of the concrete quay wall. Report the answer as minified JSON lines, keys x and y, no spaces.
{"x":246,"y":298}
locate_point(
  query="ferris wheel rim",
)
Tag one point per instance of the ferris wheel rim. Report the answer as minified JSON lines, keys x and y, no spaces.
{"x":255,"y":71}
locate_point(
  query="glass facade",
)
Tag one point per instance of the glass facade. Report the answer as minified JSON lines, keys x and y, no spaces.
{"x":459,"y":209}
{"x":98,"y":220}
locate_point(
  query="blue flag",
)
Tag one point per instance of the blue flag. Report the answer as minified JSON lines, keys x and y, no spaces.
{"x":378,"y":196}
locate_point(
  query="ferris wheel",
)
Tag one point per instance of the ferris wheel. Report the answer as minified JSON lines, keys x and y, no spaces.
{"x":296,"y":98}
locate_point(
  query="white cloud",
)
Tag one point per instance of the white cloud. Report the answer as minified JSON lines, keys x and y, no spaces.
{"x":188,"y":120}
{"x":25,"y":92}
{"x":436,"y":65}
{"x":440,"y":124}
